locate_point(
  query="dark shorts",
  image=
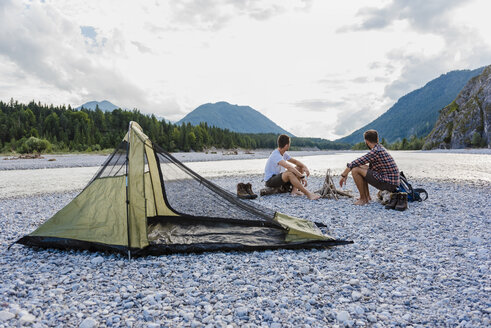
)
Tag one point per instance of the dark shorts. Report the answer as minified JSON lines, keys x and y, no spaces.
{"x":380,"y":185}
{"x":275,"y":181}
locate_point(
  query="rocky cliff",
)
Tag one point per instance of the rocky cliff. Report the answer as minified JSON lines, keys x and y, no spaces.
{"x":466,"y":122}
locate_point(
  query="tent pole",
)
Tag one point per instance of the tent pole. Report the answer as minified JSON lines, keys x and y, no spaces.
{"x":127,"y":194}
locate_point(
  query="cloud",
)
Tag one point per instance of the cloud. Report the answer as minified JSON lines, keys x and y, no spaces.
{"x":141,"y":47}
{"x":461,"y":45}
{"x":216,"y":14}
{"x":422,"y":15}
{"x":349,"y":121}
{"x":462,"y":48}
{"x":331,"y":82}
{"x":318,"y":105}
{"x":360,"y":79}
{"x":50,"y":48}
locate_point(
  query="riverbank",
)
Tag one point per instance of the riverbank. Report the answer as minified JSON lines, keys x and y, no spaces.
{"x":427,"y":266}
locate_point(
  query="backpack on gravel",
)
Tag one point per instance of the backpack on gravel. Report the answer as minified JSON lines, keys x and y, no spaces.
{"x":413,"y":194}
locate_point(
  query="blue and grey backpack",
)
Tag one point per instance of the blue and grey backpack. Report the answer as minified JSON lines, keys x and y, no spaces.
{"x":416,"y":194}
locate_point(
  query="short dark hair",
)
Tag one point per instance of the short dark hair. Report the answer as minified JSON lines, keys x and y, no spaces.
{"x":371,"y":135}
{"x":283,"y":140}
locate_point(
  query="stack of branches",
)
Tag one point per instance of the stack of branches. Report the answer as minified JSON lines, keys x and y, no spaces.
{"x":329,"y":190}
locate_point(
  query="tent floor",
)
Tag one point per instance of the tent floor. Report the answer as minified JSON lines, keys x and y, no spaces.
{"x":169,"y":235}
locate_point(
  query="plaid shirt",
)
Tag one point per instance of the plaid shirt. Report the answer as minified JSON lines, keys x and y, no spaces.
{"x":381,"y":163}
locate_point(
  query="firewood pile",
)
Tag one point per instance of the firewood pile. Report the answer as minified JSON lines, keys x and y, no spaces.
{"x":329,"y":190}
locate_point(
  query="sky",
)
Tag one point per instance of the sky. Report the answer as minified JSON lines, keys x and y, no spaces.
{"x":316,"y":68}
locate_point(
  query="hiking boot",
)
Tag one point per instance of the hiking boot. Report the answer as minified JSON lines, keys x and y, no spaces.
{"x":394,"y":197}
{"x":401,"y":202}
{"x":242,"y":191}
{"x":248,"y":188}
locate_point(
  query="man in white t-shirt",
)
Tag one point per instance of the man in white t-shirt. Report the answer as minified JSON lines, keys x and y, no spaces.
{"x":279,"y":171}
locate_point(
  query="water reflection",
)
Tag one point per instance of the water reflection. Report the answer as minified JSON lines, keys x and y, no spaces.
{"x":468,"y":167}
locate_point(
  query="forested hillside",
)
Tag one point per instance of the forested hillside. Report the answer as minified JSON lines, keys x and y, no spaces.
{"x":39,"y":127}
{"x":416,"y":113}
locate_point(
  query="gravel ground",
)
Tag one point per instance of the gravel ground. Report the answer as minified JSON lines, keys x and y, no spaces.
{"x":427,"y":266}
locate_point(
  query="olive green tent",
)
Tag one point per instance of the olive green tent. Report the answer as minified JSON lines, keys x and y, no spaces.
{"x":145,"y":201}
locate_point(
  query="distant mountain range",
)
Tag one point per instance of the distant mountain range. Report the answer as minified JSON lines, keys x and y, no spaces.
{"x":417,"y":112}
{"x":413,"y":114}
{"x":104,"y":105}
{"x":243,"y":119}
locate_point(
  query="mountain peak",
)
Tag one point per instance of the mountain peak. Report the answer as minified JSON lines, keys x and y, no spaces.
{"x":104,"y":105}
{"x":243,"y":119}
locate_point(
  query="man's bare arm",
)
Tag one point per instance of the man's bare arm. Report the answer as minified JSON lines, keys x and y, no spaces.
{"x":290,"y":168}
{"x":300,"y":164}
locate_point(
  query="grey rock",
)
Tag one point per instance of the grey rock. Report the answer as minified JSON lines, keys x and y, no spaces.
{"x":88,"y":323}
{"x":27,"y":318}
{"x":356,"y":296}
{"x":6,"y":315}
{"x":343,"y":316}
{"x":152,"y":325}
{"x":242,"y":311}
{"x":97,"y":260}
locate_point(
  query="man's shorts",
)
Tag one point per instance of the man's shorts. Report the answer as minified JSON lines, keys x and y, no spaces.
{"x":275,"y":181}
{"x":380,"y":185}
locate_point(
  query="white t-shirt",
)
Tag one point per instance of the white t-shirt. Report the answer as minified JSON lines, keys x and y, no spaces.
{"x":272,"y":166}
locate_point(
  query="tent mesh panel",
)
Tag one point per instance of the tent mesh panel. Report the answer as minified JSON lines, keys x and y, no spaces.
{"x":189,"y":193}
{"x":185,"y":191}
{"x":115,"y":164}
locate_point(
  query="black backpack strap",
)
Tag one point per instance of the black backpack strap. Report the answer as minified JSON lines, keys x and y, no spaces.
{"x":420,"y":192}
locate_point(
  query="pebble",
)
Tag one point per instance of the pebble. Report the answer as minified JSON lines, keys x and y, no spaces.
{"x":6,"y":315}
{"x":342,"y":316}
{"x":27,"y":318}
{"x":97,"y":260}
{"x":155,"y":325}
{"x":88,"y":323}
{"x":356,"y":296}
{"x":242,"y":311}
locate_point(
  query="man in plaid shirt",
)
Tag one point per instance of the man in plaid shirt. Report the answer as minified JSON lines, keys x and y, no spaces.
{"x":382,"y":171}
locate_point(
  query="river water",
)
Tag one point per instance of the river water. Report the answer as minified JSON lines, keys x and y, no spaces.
{"x":440,"y":166}
{"x":455,"y":167}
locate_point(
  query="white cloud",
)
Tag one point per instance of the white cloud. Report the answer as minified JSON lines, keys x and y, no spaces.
{"x":349,"y":121}
{"x":318,"y":105}
{"x":444,"y":42}
{"x":50,"y":49}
